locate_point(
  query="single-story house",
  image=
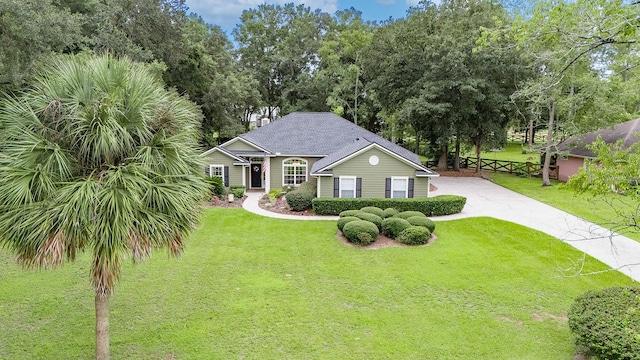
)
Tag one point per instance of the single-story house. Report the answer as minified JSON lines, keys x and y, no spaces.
{"x":573,"y":151}
{"x":344,"y":159}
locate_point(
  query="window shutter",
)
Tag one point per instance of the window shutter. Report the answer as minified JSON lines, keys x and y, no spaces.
{"x":410,"y":192}
{"x":226,"y":176}
{"x":336,"y":187}
{"x":358,"y":187}
{"x":207,"y":171}
{"x":387,"y":187}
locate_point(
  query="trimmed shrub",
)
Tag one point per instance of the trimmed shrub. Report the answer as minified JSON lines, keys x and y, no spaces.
{"x":414,"y":235}
{"x":422,"y":221}
{"x":237,"y":191}
{"x":408,"y":214}
{"x":360,"y":232}
{"x":371,"y":218}
{"x":433,"y":206}
{"x":372,"y":210}
{"x":344,"y":220}
{"x":349,"y":213}
{"x":301,"y":198}
{"x":392,"y":227}
{"x":607,"y":322}
{"x":389,"y":212}
{"x":217,"y":187}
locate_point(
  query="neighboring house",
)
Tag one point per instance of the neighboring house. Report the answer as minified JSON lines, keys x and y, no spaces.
{"x":344,"y":159}
{"x":573,"y":151}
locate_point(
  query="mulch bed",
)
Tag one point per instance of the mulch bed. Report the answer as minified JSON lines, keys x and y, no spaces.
{"x":381,"y":242}
{"x":217,"y":202}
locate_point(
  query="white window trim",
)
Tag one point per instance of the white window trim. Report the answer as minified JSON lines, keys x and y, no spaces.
{"x":355,"y":185}
{"x":406,"y":187}
{"x":212,"y":166}
{"x":306,"y":171}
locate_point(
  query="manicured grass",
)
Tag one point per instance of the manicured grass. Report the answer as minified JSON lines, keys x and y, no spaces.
{"x":598,"y":210}
{"x":511,"y":152}
{"x":250,"y":287}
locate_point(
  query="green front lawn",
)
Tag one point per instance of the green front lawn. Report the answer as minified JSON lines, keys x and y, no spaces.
{"x":597,"y":210}
{"x":250,"y":287}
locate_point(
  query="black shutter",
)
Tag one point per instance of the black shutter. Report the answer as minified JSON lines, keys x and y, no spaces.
{"x":226,"y":176}
{"x":387,"y":187}
{"x":207,"y":171}
{"x":336,"y":187}
{"x":358,"y":187}
{"x":410,"y":192}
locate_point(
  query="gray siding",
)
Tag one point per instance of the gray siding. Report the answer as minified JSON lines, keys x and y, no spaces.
{"x":241,"y":146}
{"x":373,"y":176}
{"x":235,"y":171}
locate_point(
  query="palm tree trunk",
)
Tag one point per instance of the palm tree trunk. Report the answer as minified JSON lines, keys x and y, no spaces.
{"x":102,"y":327}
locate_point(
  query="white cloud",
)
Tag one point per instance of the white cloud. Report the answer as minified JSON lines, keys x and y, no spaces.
{"x":226,"y":13}
{"x":386,"y":2}
{"x":412,"y":2}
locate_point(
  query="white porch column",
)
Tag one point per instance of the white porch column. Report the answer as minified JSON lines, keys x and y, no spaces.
{"x":267,"y":174}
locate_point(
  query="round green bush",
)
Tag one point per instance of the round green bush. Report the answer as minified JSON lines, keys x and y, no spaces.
{"x":393,"y":226}
{"x":389,"y":212}
{"x":422,"y":221}
{"x":371,"y":218}
{"x":607,"y":322}
{"x":414,"y":235}
{"x":344,"y":220}
{"x":408,"y":214}
{"x":349,"y":213}
{"x":360,"y":232}
{"x":372,"y":210}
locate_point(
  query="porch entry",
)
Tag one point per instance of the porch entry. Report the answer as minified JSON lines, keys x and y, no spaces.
{"x":256,"y":175}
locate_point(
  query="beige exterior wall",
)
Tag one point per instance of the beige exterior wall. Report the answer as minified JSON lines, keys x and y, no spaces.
{"x":235,"y":171}
{"x":569,"y":167}
{"x":373,"y":176}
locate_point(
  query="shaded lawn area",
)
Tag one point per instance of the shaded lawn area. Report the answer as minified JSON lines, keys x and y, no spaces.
{"x":595,"y":210}
{"x":250,"y":287}
{"x":510,"y":152}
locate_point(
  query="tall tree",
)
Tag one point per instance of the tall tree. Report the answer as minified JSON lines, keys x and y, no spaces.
{"x":342,"y":54}
{"x":280,"y":44}
{"x":26,"y":41}
{"x":570,"y":43}
{"x":97,"y":156}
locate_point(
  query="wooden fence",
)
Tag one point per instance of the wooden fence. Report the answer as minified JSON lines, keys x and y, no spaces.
{"x":511,"y":167}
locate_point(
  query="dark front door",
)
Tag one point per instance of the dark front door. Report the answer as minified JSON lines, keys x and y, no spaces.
{"x":256,"y":175}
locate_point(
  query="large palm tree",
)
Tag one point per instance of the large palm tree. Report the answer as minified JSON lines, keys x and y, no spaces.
{"x":97,"y":156}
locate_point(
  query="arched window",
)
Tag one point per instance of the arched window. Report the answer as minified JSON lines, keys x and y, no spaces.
{"x":294,"y":171}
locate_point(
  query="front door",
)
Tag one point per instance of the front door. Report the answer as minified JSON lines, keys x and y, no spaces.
{"x":256,"y":176}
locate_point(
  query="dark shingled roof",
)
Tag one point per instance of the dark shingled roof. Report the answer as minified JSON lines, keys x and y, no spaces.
{"x":576,"y":145}
{"x":316,"y":134}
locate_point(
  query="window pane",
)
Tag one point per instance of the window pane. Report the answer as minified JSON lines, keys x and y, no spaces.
{"x":399,"y":194}
{"x":348,"y":194}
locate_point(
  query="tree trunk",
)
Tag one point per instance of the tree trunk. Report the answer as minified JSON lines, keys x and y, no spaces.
{"x":530,"y":133}
{"x":442,"y":160}
{"x":456,"y":157}
{"x":417,"y":142}
{"x":478,"y":165}
{"x":102,"y":327}
{"x":547,"y":151}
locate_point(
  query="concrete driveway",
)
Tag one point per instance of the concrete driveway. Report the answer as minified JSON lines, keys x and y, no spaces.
{"x":485,"y":198}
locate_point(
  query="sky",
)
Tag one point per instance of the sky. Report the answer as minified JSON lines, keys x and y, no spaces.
{"x":226,"y":13}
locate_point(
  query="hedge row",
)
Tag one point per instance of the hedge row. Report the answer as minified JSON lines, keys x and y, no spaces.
{"x":433,"y":206}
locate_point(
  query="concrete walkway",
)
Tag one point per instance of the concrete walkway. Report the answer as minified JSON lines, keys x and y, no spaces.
{"x":485,"y":198}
